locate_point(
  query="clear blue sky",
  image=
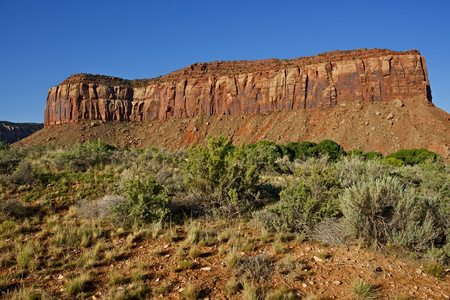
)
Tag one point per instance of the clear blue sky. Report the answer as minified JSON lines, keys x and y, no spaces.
{"x":44,"y":42}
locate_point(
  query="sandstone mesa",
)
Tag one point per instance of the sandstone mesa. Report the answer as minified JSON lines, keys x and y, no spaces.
{"x":243,"y":87}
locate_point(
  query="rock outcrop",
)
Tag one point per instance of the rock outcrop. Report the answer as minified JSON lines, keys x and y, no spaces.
{"x":243,"y":87}
{"x":13,"y":132}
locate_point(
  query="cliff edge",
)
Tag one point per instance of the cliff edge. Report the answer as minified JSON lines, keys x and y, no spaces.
{"x":243,"y":87}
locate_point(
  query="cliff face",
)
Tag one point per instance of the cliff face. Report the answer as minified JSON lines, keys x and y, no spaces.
{"x":13,"y":132}
{"x":244,"y":87}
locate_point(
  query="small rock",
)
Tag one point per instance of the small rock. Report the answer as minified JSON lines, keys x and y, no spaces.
{"x":377,"y":113}
{"x":390,"y":116}
{"x":367,"y":123}
{"x":399,"y":103}
{"x":60,"y":277}
{"x":418,"y":271}
{"x":318,"y":259}
{"x":206,"y":269}
{"x":181,"y":290}
{"x":304,"y":285}
{"x":337,"y":282}
{"x":157,"y":279}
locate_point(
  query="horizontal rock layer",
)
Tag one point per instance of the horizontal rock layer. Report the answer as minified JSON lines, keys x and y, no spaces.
{"x":258,"y":87}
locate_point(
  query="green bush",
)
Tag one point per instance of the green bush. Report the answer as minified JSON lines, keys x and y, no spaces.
{"x":147,"y":202}
{"x":302,"y":150}
{"x":221,"y":172}
{"x":83,"y":156}
{"x":24,"y":174}
{"x":330,"y":148}
{"x":414,"y":156}
{"x":264,"y":155}
{"x":373,"y":155}
{"x":312,"y":198}
{"x":4,"y":145}
{"x":394,"y":161}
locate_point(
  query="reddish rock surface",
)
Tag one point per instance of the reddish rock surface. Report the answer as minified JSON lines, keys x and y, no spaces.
{"x":243,"y":87}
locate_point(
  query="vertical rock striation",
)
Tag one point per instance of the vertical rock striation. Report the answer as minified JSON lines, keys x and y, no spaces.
{"x":244,"y":87}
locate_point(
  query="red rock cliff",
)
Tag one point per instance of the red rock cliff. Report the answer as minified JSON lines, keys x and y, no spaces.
{"x":243,"y":87}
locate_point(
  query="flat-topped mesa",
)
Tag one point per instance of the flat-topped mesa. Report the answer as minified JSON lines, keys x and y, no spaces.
{"x":243,"y":87}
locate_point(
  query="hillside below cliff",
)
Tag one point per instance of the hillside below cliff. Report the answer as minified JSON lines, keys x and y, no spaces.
{"x":385,"y":127}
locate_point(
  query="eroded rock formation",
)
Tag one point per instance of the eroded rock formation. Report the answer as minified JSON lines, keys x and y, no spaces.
{"x":243,"y":87}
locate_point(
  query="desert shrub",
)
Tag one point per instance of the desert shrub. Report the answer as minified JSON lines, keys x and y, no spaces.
{"x":330,"y":231}
{"x":394,"y":161}
{"x":83,"y":156}
{"x":414,"y":156}
{"x":14,"y":209}
{"x":9,"y":159}
{"x":147,"y":201}
{"x":4,"y":145}
{"x":24,"y":174}
{"x":330,"y":148}
{"x":264,"y":155}
{"x":352,"y":169}
{"x":257,"y":268}
{"x":302,"y":150}
{"x":222,"y":173}
{"x":435,"y":269}
{"x":373,"y":155}
{"x":356,"y":152}
{"x":432,"y":179}
{"x":310,"y":199}
{"x":11,"y":208}
{"x":382,"y":210}
{"x":99,"y":209}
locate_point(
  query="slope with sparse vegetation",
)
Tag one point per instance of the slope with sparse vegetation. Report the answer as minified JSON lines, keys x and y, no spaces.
{"x":259,"y":221}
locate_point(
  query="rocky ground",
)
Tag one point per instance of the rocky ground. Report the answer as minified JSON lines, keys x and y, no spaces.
{"x":171,"y":264}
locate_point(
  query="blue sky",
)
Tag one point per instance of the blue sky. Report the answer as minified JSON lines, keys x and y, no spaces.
{"x":44,"y":42}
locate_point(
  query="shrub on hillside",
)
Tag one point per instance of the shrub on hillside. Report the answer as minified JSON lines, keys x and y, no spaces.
{"x":222,"y":173}
{"x":330,"y":148}
{"x":373,"y":155}
{"x":310,"y":199}
{"x":24,"y":174}
{"x":147,"y":202}
{"x":414,"y":156}
{"x":264,"y":155}
{"x":83,"y":156}
{"x":101,"y":208}
{"x":352,"y":169}
{"x":302,"y":150}
{"x":383,"y":211}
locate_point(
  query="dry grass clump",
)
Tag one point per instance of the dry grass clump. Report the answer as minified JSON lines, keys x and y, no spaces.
{"x":191,"y":291}
{"x":98,"y":209}
{"x":78,"y":284}
{"x":257,"y":268}
{"x":363,"y":289}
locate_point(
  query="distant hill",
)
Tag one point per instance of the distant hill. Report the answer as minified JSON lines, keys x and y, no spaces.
{"x":13,"y":132}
